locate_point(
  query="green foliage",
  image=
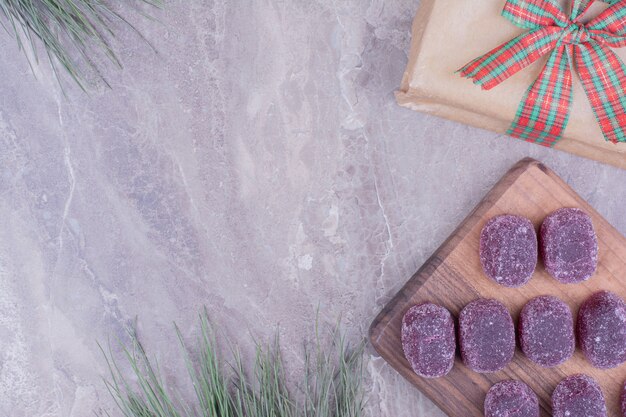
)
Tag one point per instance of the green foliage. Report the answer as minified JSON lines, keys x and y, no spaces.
{"x":72,"y":32}
{"x":331,"y":385}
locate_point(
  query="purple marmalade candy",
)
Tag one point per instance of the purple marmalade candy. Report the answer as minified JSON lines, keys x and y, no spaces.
{"x":546,"y":331}
{"x":622,"y":400}
{"x":578,"y":396}
{"x":486,"y":335}
{"x":602,"y":329}
{"x":428,"y":340}
{"x":569,"y":245}
{"x":511,"y":399}
{"x":508,"y":250}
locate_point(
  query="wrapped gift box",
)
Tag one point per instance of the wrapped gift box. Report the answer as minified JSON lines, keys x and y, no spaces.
{"x":447,"y":34}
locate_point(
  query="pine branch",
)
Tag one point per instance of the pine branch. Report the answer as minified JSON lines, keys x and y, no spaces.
{"x":72,"y":32}
{"x":331,"y":384}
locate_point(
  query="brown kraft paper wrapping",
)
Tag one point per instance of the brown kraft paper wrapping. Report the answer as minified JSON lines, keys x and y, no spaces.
{"x":447,"y":34}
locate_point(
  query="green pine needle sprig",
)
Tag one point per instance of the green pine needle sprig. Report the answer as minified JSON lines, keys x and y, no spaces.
{"x":330,"y":387}
{"x":72,"y":32}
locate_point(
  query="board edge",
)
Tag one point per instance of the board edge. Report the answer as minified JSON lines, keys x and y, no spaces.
{"x":424,"y":272}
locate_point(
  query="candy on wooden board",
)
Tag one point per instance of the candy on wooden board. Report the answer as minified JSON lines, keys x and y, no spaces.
{"x":511,"y":399}
{"x":487,"y":335}
{"x":508,"y":250}
{"x":601,"y":329}
{"x":428,"y":340}
{"x":546,"y":331}
{"x":578,"y":396}
{"x":569,"y":245}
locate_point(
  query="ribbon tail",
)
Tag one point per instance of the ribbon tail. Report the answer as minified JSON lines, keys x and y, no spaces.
{"x":497,"y":65}
{"x":603,"y":77}
{"x":544,"y":111}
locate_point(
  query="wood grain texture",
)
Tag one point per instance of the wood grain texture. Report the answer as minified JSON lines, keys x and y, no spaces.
{"x":453,"y":277}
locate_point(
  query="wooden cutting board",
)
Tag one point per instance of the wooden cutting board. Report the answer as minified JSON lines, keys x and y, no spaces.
{"x":453,"y":277}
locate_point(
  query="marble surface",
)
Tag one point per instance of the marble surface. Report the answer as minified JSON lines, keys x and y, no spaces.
{"x":256,"y":164}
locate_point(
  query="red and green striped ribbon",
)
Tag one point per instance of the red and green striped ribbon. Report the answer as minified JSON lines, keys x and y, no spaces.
{"x":544,"y":111}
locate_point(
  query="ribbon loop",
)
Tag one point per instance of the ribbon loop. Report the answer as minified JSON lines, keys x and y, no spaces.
{"x":533,"y":14}
{"x":611,"y":20}
{"x":544,"y":111}
{"x":610,"y":26}
{"x":578,"y":9}
{"x":500,"y":63}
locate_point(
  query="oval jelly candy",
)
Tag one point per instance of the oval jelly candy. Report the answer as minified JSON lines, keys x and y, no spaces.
{"x":602,"y":329}
{"x":546,"y":331}
{"x":428,"y":339}
{"x":569,"y":245}
{"x":578,"y":396}
{"x":487,"y":335}
{"x":508,"y":250}
{"x":511,"y":399}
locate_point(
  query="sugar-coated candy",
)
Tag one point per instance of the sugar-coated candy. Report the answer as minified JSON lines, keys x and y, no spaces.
{"x":569,"y":245}
{"x":487,"y":335}
{"x":428,"y":340}
{"x":601,"y":329}
{"x":511,"y":399}
{"x":508,"y":250}
{"x":578,"y":396}
{"x":546,"y":331}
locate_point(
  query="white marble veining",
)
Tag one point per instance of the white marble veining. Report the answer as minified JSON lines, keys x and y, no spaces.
{"x":256,"y":164}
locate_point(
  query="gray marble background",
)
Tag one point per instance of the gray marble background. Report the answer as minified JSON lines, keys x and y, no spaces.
{"x":257,"y":164}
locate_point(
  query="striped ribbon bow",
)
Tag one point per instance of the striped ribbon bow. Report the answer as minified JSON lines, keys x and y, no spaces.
{"x":543,"y":113}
